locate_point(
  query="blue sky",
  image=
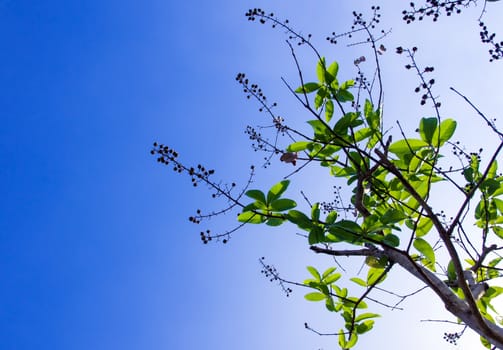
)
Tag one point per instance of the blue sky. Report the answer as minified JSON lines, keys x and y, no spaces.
{"x":96,"y":251}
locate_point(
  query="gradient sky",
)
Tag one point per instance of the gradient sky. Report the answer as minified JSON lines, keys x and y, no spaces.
{"x":96,"y":251}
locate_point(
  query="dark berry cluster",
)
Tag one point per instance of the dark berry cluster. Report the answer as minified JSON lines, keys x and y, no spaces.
{"x":433,"y":9}
{"x":359,"y":24}
{"x":250,"y":89}
{"x":272,"y":274}
{"x":452,"y":338}
{"x":257,"y":13}
{"x":424,"y":85}
{"x":496,"y":52}
{"x":166,"y":155}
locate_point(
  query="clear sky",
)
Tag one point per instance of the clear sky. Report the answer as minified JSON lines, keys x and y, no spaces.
{"x":96,"y":251}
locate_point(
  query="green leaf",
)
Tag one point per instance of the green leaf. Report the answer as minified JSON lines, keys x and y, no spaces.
{"x":331,"y":217}
{"x":368,"y":108}
{"x":444,"y":132}
{"x":347,"y":84}
{"x":329,"y":110}
{"x":274,"y":221}
{"x":374,"y":276}
{"x":320,"y":97}
{"x":365,"y":326}
{"x":425,"y":248}
{"x":314,"y":296}
{"x":250,"y":217}
{"x":333,"y":69}
{"x":349,"y":226}
{"x":300,"y":219}
{"x":392,"y":216}
{"x":316,"y":235}
{"x":321,"y":132}
{"x":423,"y":226}
{"x":312,"y":270}
{"x":362,"y":134}
{"x":257,"y":195}
{"x":427,"y":127}
{"x":328,"y":272}
{"x":366,"y":316}
{"x":342,"y":340}
{"x":391,"y":240}
{"x":298,"y":146}
{"x":493,"y":292}
{"x":485,"y":342}
{"x":489,"y":186}
{"x":315,"y":212}
{"x":307,"y":88}
{"x":451,"y":271}
{"x":359,"y":281}
{"x":351,"y":341}
{"x":277,"y":190}
{"x":344,"y":96}
{"x":320,"y":70}
{"x":498,"y":231}
{"x":406,"y":146}
{"x":282,"y":204}
{"x":491,"y":173}
{"x":332,"y":278}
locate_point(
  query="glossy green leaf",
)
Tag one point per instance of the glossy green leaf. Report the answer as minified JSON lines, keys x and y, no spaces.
{"x":493,"y":292}
{"x":347,"y":84}
{"x":362,"y":134}
{"x":274,"y":221}
{"x":332,"y":278}
{"x":257,"y":195}
{"x":489,"y":186}
{"x":498,"y":231}
{"x":316,"y":235}
{"x":307,"y":88}
{"x":427,"y":127}
{"x":282,"y":204}
{"x":315,"y":212}
{"x":375,"y":276}
{"x":492,"y":172}
{"x":392,"y":216}
{"x":331,"y":217}
{"x":353,"y":339}
{"x":444,"y":132}
{"x":277,"y":190}
{"x":366,"y":316}
{"x":391,"y":240}
{"x":321,"y":132}
{"x":300,"y":219}
{"x":359,"y":281}
{"x":342,"y":340}
{"x":368,"y":108}
{"x":425,"y":248}
{"x":312,"y":270}
{"x":314,"y":296}
{"x":406,"y":146}
{"x":250,"y":217}
{"x":333,"y":69}
{"x":320,"y":70}
{"x":365,"y":326}
{"x":344,"y":96}
{"x":298,"y":146}
{"x":328,"y":272}
{"x":424,"y":226}
{"x":329,"y":110}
